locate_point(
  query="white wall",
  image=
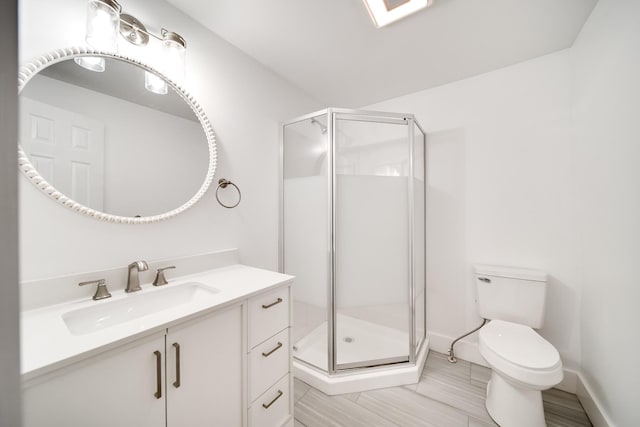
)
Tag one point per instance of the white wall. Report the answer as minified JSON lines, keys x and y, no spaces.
{"x":500,"y":190}
{"x":245,"y":103}
{"x":536,"y":165}
{"x":9,"y":350}
{"x":606,"y":101}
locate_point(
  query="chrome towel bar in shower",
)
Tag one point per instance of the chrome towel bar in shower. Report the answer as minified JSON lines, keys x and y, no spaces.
{"x":223,"y":183}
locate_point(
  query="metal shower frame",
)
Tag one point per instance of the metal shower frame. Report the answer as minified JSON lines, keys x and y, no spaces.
{"x":332,"y":115}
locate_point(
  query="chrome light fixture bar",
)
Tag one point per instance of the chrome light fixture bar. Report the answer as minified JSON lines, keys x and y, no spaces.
{"x":173,"y":50}
{"x":105,"y":21}
{"x":385,"y":12}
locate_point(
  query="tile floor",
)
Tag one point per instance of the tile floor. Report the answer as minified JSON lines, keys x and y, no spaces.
{"x":447,"y":395}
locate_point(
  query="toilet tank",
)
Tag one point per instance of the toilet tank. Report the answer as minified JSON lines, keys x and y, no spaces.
{"x":513,"y":294}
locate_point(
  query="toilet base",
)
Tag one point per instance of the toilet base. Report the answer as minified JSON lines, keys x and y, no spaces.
{"x":513,"y":406}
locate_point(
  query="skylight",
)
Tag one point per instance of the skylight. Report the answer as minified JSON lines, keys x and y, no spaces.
{"x":384,"y":12}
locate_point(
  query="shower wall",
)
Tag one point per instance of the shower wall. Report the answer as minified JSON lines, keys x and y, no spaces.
{"x":372,"y":233}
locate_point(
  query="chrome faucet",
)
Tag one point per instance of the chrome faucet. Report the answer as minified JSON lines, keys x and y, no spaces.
{"x":133,"y":282}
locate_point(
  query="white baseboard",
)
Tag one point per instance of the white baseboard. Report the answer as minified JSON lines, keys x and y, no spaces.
{"x":463,"y":349}
{"x":468,"y":351}
{"x":591,"y":404}
{"x":569,"y":381}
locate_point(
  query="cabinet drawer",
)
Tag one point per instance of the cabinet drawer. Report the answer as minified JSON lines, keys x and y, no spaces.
{"x":268,"y":361}
{"x":268,"y":315}
{"x":273,"y":407}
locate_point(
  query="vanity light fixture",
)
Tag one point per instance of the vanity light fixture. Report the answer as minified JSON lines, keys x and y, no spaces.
{"x":105,"y":21}
{"x":174,"y":48}
{"x":384,"y":12}
{"x":103,"y":24}
{"x":173,"y":51}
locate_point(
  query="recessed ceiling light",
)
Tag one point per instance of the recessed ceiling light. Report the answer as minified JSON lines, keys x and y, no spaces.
{"x":384,"y":12}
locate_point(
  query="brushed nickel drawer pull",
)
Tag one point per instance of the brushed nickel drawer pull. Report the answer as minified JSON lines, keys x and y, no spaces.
{"x":266,"y":405}
{"x":278,"y":301}
{"x":176,"y":383}
{"x":158,"y":393}
{"x":276,"y":347}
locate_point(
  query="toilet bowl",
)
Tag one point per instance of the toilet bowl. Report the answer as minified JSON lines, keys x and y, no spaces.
{"x":522,"y":363}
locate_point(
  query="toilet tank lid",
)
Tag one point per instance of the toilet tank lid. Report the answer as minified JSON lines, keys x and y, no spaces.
{"x":510,"y":272}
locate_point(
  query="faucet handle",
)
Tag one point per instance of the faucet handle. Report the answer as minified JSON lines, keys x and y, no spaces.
{"x":101,"y":291}
{"x":160,"y":279}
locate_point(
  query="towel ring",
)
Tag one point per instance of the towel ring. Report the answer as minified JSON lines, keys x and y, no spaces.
{"x":223,"y":183}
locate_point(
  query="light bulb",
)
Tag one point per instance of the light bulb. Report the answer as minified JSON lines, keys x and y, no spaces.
{"x":103,"y":25}
{"x":155,"y":84}
{"x":92,"y":63}
{"x":174,"y":49}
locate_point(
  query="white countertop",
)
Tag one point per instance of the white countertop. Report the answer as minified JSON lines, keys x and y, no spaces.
{"x":47,"y":343}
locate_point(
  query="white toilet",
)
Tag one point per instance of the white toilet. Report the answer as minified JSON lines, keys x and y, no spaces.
{"x":522,"y":362}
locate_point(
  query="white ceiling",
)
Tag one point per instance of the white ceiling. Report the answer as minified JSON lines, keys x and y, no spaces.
{"x":331,"y":50}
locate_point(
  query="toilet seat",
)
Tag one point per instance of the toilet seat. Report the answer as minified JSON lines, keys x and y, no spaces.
{"x":519,"y":353}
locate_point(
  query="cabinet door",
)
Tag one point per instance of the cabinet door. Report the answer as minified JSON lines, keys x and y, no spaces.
{"x":115,"y":388}
{"x":209,"y":391}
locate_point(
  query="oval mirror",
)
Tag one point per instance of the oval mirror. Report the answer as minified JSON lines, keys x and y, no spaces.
{"x":102,"y":145}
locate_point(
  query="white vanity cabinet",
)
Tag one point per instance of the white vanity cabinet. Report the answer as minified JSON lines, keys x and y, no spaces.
{"x":130,"y":385}
{"x":204,"y":371}
{"x":228,"y":364}
{"x":114,"y":388}
{"x":270,"y":386}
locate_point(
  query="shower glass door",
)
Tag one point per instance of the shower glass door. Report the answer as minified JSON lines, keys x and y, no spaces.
{"x":372,"y":289}
{"x":305,"y":236}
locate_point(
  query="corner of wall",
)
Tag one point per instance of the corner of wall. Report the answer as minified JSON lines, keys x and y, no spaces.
{"x":591,"y":404}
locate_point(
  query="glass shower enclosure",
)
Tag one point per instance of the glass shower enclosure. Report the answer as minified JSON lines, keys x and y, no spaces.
{"x":352,"y":231}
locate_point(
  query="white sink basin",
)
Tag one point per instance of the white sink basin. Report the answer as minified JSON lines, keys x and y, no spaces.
{"x":135,"y":307}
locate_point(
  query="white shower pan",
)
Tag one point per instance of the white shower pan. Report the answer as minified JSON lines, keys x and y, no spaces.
{"x":356,"y":340}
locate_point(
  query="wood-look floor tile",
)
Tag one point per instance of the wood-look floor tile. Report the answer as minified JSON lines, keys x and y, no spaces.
{"x":408,"y":409}
{"x":447,"y":395}
{"x":351,"y":396}
{"x":474,"y":422}
{"x":411,"y":387}
{"x":316,"y":409}
{"x":300,"y":388}
{"x":450,"y":383}
{"x":465,"y":397}
{"x":565,"y":405}
{"x":554,"y":420}
{"x":480,"y":375}
{"x":437,"y":363}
